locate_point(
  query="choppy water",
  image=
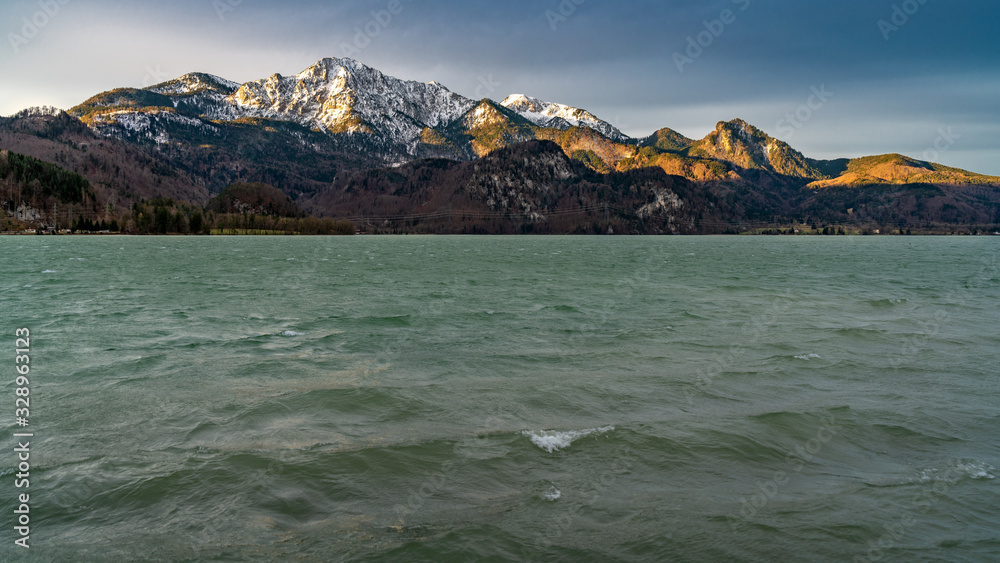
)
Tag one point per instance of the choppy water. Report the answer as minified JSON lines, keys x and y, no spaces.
{"x":456,"y":399}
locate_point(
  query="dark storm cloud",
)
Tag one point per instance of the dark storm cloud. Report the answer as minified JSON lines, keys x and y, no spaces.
{"x":641,"y":64}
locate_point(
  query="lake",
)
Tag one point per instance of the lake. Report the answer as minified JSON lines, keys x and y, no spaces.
{"x":506,"y":398}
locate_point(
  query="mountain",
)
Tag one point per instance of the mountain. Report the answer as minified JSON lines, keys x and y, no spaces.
{"x":344,"y":96}
{"x":119,"y":172}
{"x":896,"y":169}
{"x":254,"y":199}
{"x":667,"y":139}
{"x":29,"y":187}
{"x":196,"y":83}
{"x":530,"y":187}
{"x":488,"y":127}
{"x":560,"y":116}
{"x":747,"y":147}
{"x":396,"y":120}
{"x":341,"y":138}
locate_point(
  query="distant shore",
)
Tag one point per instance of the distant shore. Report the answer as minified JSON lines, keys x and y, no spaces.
{"x":760,"y":232}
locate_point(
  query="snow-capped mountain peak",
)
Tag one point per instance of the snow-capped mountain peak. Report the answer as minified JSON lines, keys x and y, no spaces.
{"x":195,"y":82}
{"x":400,"y":118}
{"x":345,"y":96}
{"x":559,"y":116}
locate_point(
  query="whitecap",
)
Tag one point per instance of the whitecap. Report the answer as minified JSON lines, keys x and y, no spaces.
{"x":551,"y":440}
{"x":976,"y":469}
{"x":292,"y":333}
{"x":552,"y":494}
{"x":969,"y":469}
{"x":808,"y":357}
{"x":49,"y":272}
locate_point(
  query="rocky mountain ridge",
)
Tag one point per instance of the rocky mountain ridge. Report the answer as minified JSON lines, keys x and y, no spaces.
{"x":341,"y":121}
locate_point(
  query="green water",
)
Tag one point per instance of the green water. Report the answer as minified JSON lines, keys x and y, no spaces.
{"x":549,"y":399}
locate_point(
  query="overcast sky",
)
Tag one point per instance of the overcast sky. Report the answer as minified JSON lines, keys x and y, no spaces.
{"x":834,"y":79}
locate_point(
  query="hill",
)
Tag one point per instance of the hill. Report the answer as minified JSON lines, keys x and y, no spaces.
{"x":254,"y":199}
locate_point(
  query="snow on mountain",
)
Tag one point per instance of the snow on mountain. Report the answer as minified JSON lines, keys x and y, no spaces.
{"x":150,"y":124}
{"x":336,"y":96}
{"x":344,"y":96}
{"x":560,"y":116}
{"x":195,"y":82}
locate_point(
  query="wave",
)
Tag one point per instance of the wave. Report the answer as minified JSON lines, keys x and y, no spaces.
{"x":860,"y":331}
{"x":493,"y":314}
{"x":690,"y":315}
{"x":949,"y":474}
{"x":958,"y":470}
{"x":825,"y":414}
{"x":552,"y":441}
{"x":552,"y":494}
{"x":562,"y":308}
{"x":386,"y":321}
{"x":887,"y":303}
